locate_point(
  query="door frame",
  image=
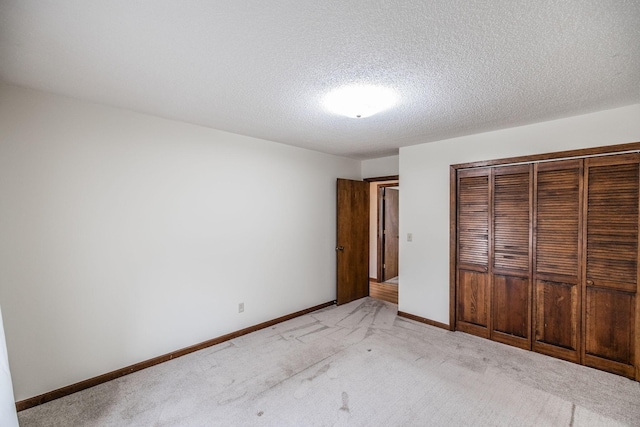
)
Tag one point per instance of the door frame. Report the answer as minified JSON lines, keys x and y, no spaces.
{"x":380,"y":230}
{"x":379,"y":221}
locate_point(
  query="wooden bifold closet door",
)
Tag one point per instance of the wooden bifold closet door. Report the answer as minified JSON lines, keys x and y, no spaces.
{"x":547,"y":258}
{"x":611,"y":273}
{"x":511,"y":266}
{"x":494,"y":256}
{"x":472,"y":277}
{"x":557,"y":258}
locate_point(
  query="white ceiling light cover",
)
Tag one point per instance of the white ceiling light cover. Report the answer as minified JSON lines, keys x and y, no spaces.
{"x":359,"y":101}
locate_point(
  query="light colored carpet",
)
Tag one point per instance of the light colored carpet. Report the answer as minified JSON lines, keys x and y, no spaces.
{"x":354,"y":365}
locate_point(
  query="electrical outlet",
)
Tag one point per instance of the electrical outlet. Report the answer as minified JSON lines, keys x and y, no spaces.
{"x":241,"y":307}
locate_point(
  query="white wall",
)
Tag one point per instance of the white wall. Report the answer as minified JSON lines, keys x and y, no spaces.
{"x":424,"y":205}
{"x":383,"y":166}
{"x":126,"y":236}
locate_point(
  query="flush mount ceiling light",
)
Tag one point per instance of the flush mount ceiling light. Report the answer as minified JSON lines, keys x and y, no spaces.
{"x":359,"y":101}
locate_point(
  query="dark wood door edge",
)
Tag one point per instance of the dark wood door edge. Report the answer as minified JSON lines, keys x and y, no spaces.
{"x":91,"y":382}
{"x":425,"y":320}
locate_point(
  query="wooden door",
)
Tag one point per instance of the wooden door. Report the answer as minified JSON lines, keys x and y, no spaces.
{"x":511,"y":260}
{"x":390,"y":233}
{"x":610,"y":303}
{"x":352,"y":249}
{"x":472,"y":251}
{"x":557,"y":258}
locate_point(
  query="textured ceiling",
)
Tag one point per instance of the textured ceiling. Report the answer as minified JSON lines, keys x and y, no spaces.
{"x":260,"y":68}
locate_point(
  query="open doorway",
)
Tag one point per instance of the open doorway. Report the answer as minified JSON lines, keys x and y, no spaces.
{"x":383,"y":238}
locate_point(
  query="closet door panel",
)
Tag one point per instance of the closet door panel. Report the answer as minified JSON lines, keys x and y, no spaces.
{"x":612,"y":224}
{"x":473,"y":290}
{"x":610,"y":330}
{"x":473,"y":218}
{"x":511,"y":218}
{"x":557,"y":219}
{"x":611,"y":273}
{"x":511,"y":256}
{"x":511,"y":305}
{"x":557,"y":258}
{"x":472,"y":301}
{"x":557,"y":315}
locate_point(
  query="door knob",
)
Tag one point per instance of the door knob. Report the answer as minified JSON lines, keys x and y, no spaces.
{"x":340,"y":248}
{"x":590,"y":282}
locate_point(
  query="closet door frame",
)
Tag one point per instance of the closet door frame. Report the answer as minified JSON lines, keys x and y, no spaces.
{"x":569,"y":154}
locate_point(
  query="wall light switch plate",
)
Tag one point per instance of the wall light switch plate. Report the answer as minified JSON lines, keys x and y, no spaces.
{"x":241,"y":307}
{"x":409,"y":237}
